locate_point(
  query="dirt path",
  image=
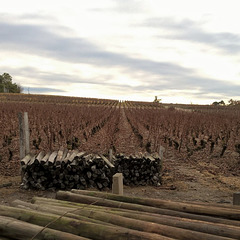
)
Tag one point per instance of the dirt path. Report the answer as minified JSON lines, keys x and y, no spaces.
{"x":126,"y":141}
{"x":194,"y":183}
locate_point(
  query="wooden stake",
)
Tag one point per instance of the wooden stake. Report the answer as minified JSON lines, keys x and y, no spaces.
{"x":117,"y":187}
{"x":21,"y":136}
{"x":161,"y":151}
{"x":110,"y":155}
{"x":26,"y":133}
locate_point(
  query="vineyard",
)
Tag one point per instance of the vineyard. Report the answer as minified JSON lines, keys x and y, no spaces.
{"x":97,"y":125}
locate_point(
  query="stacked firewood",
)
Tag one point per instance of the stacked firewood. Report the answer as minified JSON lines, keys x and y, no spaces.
{"x":66,"y":170}
{"x":73,"y":169}
{"x":82,"y":215}
{"x":140,"y":169}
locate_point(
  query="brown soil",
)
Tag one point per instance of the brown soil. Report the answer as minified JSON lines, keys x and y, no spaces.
{"x":183,"y":180}
{"x":126,"y":141}
{"x":191,"y":181}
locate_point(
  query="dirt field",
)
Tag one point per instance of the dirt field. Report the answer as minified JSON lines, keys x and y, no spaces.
{"x":183,"y":180}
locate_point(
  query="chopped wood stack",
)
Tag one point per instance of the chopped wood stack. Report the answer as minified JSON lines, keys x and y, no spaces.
{"x":66,"y":170}
{"x":140,"y":169}
{"x":73,"y":169}
{"x":97,"y":215}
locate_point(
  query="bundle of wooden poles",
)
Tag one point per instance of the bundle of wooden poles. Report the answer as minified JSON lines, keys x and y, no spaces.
{"x":66,"y":170}
{"x":139,"y":169}
{"x":82,"y":214}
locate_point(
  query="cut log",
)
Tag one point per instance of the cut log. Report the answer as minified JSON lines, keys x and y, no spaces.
{"x":59,"y":156}
{"x":52,"y":158}
{"x":26,"y":159}
{"x":194,"y":225}
{"x":176,"y":206}
{"x":67,"y":196}
{"x":72,"y":156}
{"x":65,"y":153}
{"x":80,"y":154}
{"x":45,"y":158}
{"x":187,"y":217}
{"x":32,"y":160}
{"x":40,"y":156}
{"x":65,"y":160}
{"x":107,"y":161}
{"x":77,"y":227}
{"x":66,"y":211}
{"x":12,"y":228}
{"x":164,"y":225}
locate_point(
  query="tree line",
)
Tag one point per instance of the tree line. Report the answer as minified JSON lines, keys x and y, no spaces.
{"x":231,"y":102}
{"x":7,"y":86}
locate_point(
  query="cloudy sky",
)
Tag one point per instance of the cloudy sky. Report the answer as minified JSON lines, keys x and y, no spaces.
{"x":181,"y":51}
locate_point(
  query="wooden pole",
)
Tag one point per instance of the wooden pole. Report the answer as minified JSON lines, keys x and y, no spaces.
{"x":146,"y":223}
{"x":26,"y":133}
{"x":161,"y":151}
{"x":73,"y":226}
{"x":217,"y":211}
{"x":15,"y":229}
{"x":21,"y":136}
{"x":110,"y":155}
{"x":148,"y":210}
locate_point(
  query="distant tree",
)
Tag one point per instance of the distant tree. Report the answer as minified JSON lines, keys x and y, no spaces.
{"x":215,"y":103}
{"x":232,"y":102}
{"x":157,"y":100}
{"x":221,"y":103}
{"x":6,"y":84}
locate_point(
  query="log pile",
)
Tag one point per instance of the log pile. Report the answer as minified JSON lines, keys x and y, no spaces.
{"x":66,"y":170}
{"x":78,"y":170}
{"x":140,"y":169}
{"x":81,"y":214}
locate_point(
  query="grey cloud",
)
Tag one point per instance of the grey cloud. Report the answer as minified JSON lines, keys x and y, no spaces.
{"x":194,"y":83}
{"x":49,"y":78}
{"x":192,"y":31}
{"x":46,"y":78}
{"x":34,"y":39}
{"x":41,"y":90}
{"x":153,"y":83}
{"x":40,"y":40}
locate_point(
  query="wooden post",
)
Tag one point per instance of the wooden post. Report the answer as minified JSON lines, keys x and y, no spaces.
{"x":110,"y":155}
{"x":26,"y":133}
{"x":161,"y":151}
{"x":117,"y":186}
{"x":21,"y":136}
{"x":236,"y":198}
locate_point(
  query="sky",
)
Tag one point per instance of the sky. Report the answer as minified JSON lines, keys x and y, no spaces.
{"x":181,"y":51}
